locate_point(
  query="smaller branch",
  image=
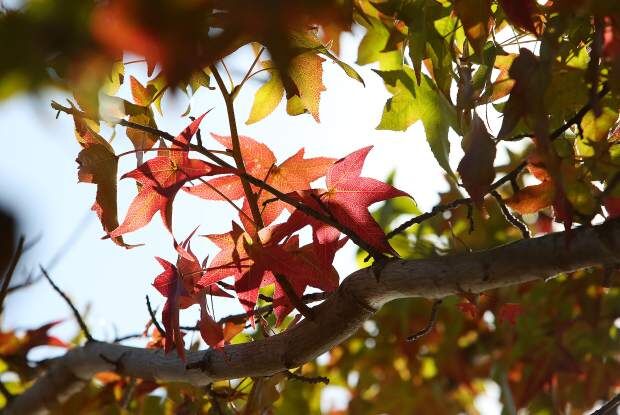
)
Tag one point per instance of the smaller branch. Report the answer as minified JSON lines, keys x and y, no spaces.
{"x":198,"y":133}
{"x":306,"y":379}
{"x":153,"y":317}
{"x":431,"y":323}
{"x":129,"y":392}
{"x":215,"y":403}
{"x":242,"y":317}
{"x":226,"y":285}
{"x":6,"y":393}
{"x":509,"y":177}
{"x":470,"y":217}
{"x":425,"y":216}
{"x":237,"y":88}
{"x":593,"y":70}
{"x":293,"y":298}
{"x":74,"y":310}
{"x":609,"y":406}
{"x":510,"y":217}
{"x":236,"y":149}
{"x":265,"y":298}
{"x":128,"y":337}
{"x":11,"y":270}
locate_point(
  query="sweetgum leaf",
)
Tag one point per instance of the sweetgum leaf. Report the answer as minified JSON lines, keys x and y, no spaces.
{"x":161,"y":178}
{"x":266,"y":98}
{"x":411,"y":103}
{"x":295,"y":173}
{"x":476,"y":166}
{"x":306,"y":71}
{"x":179,"y":284}
{"x":346,"y":199}
{"x":520,"y":13}
{"x":143,"y":115}
{"x":474,"y":15}
{"x":527,"y":94}
{"x":531,"y":199}
{"x":98,"y":164}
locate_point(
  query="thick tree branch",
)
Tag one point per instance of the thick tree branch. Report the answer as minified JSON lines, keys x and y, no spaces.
{"x":337,"y":318}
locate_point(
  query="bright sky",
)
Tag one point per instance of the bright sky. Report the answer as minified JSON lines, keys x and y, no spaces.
{"x":38,"y":179}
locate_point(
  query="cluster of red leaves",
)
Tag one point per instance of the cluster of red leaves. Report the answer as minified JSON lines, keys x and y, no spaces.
{"x":254,"y":257}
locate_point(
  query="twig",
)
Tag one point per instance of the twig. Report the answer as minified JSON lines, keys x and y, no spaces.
{"x":242,"y":317}
{"x":307,"y":379}
{"x":293,"y":297}
{"x":74,"y":310}
{"x":509,"y":177}
{"x":236,"y":148}
{"x":128,"y":337}
{"x":8,"y":275}
{"x":470,"y":217}
{"x":425,"y":216}
{"x":431,"y":323}
{"x":128,"y":395}
{"x":608,"y":407}
{"x":153,"y":317}
{"x":510,"y":217}
{"x":215,"y":403}
{"x":6,"y":393}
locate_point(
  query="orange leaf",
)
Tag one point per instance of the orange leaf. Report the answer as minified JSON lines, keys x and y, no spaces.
{"x":533,"y":198}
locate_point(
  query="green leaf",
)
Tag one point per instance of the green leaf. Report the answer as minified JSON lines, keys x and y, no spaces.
{"x":411,"y":103}
{"x":597,"y":128}
{"x":114,"y":80}
{"x":160,"y":85}
{"x":371,"y":48}
{"x":266,"y":98}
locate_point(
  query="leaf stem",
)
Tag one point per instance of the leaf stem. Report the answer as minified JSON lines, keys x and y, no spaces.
{"x":237,"y":156}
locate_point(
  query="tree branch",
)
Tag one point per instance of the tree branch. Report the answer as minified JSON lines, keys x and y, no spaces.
{"x":73,"y":308}
{"x":359,"y":296}
{"x":8,"y":276}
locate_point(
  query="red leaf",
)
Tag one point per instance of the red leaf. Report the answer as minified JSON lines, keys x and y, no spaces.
{"x":611,"y":38}
{"x":509,"y":312}
{"x":347,"y":199}
{"x":161,"y":179}
{"x":11,"y":345}
{"x":520,"y":13}
{"x":468,"y":308}
{"x":253,"y":266}
{"x":295,"y":173}
{"x":612,"y":205}
{"x":211,"y":332}
{"x":179,"y":286}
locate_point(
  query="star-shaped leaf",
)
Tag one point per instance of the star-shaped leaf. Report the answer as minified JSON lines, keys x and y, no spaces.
{"x":161,"y":179}
{"x":411,"y":103}
{"x":179,"y":285}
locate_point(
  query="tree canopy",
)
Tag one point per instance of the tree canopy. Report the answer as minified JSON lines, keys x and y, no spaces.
{"x":512,"y":277}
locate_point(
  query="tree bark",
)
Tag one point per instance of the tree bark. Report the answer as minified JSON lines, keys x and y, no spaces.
{"x":359,"y":296}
